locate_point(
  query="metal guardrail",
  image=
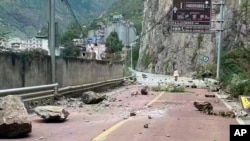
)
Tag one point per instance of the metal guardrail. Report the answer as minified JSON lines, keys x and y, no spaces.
{"x":34,"y":95}
{"x":71,"y":89}
{"x":29,"y":89}
{"x":45,"y":94}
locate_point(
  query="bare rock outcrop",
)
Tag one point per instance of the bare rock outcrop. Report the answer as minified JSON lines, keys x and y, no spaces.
{"x":14,"y":121}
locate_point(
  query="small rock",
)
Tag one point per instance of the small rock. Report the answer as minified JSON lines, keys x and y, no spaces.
{"x":112,"y":99}
{"x":132,"y":114}
{"x":167,"y":135}
{"x":144,"y":91}
{"x":149,"y":117}
{"x":145,"y":126}
{"x":210,"y":95}
{"x":134,"y":93}
{"x":42,"y":138}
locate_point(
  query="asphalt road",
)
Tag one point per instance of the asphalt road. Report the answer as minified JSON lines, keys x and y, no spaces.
{"x":169,"y":116}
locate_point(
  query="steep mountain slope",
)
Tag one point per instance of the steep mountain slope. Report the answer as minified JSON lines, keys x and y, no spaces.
{"x":131,"y":10}
{"x":25,"y":17}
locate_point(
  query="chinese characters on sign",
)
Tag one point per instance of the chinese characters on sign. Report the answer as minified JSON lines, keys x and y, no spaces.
{"x":191,"y":16}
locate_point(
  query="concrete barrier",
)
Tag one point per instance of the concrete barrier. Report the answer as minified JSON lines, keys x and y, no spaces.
{"x":23,"y":71}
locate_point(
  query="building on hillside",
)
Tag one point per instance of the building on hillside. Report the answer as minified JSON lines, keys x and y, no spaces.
{"x":117,"y":18}
{"x":32,"y":43}
{"x":15,"y":43}
{"x":125,"y":31}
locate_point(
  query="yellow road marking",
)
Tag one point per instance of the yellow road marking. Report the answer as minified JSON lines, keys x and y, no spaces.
{"x":153,"y":101}
{"x":104,"y":134}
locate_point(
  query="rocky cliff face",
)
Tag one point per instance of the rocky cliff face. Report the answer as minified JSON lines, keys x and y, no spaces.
{"x":161,"y":50}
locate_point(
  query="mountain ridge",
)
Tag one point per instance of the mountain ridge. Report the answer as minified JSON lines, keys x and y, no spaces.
{"x":24,"y":18}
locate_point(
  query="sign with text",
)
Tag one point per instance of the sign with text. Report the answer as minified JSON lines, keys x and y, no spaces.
{"x":245,"y":101}
{"x":191,"y":15}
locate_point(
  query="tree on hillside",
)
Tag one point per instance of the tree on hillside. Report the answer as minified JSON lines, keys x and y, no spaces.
{"x":43,"y":32}
{"x":113,"y":43}
{"x":73,"y":31}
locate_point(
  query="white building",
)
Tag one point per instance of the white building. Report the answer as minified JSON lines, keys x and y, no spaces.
{"x":33,"y":43}
{"x":15,"y":43}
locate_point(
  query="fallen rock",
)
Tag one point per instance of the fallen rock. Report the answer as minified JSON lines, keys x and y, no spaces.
{"x":91,"y":97}
{"x":144,"y":76}
{"x":204,"y":106}
{"x":14,"y":121}
{"x":193,"y":86}
{"x":230,"y":114}
{"x":210,"y":95}
{"x":134,"y":93}
{"x":149,"y":117}
{"x":145,"y":126}
{"x":52,"y":113}
{"x":144,"y":91}
{"x":132,"y":114}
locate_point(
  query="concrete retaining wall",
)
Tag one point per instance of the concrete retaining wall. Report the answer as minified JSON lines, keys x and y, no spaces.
{"x":19,"y":71}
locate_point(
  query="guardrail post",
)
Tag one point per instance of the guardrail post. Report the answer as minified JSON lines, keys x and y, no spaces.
{"x":56,"y":89}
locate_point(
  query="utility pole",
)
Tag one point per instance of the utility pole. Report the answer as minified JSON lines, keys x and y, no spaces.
{"x":52,"y":37}
{"x":129,"y":44}
{"x":221,"y":21}
{"x":131,"y":56}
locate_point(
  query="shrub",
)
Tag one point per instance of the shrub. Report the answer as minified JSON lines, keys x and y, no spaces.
{"x":239,"y":86}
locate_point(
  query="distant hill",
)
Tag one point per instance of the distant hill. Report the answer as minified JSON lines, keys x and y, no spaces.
{"x":130,"y":9}
{"x":25,"y":18}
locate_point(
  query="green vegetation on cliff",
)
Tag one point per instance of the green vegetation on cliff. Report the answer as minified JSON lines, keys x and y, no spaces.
{"x":235,"y":65}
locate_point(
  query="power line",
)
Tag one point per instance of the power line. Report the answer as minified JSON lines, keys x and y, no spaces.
{"x":73,"y":14}
{"x":156,"y":24}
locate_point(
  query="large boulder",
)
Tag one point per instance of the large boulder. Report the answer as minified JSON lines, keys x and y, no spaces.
{"x":203,"y":106}
{"x":14,"y":121}
{"x":52,"y":113}
{"x":91,"y":97}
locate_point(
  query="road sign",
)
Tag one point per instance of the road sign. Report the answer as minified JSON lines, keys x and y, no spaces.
{"x":245,"y":101}
{"x":205,"y":58}
{"x":191,"y":15}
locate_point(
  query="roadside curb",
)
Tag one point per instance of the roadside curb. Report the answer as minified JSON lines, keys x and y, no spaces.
{"x":239,"y":120}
